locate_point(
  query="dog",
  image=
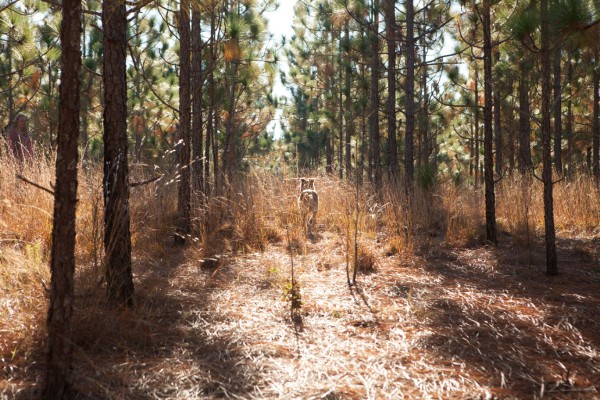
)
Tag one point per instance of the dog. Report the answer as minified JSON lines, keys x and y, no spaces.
{"x":308,"y":202}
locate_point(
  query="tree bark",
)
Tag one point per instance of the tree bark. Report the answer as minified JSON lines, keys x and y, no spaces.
{"x":525,"y":162}
{"x":341,"y":110}
{"x":117,"y":235}
{"x":477,"y":138}
{"x":596,"y":124}
{"x":62,"y":261}
{"x":551,"y":261}
{"x":498,"y":124}
{"x":558,"y":165}
{"x":348,"y":116}
{"x":210,"y":127}
{"x":511,"y":140}
{"x":409,"y":169}
{"x":390,"y":23}
{"x":569,"y":127}
{"x":374,"y":115}
{"x":490,"y":199}
{"x":424,"y":120}
{"x":197,"y":122}
{"x":185,"y":112}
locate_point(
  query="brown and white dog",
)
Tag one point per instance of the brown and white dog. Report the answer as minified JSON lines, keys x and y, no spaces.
{"x":308,"y":202}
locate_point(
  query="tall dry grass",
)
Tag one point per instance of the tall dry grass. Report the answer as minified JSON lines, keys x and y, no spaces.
{"x":257,"y":211}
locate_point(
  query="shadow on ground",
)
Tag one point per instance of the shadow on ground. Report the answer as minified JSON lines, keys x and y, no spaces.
{"x":523,"y":333}
{"x":164,"y":347}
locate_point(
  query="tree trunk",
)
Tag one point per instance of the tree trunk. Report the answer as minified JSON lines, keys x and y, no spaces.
{"x":424,"y":120}
{"x":62,"y":260}
{"x":210,"y":131}
{"x":551,"y":261}
{"x":558,"y":165}
{"x":390,"y":23}
{"x":348,"y":115}
{"x":596,"y":124}
{"x":185,"y":113}
{"x":374,"y":115}
{"x":215,"y":149}
{"x":569,"y":131}
{"x":525,"y":162}
{"x":511,"y":140}
{"x":197,"y":86}
{"x":117,"y":235}
{"x":477,"y":139}
{"x":498,"y":124}
{"x":490,"y":198}
{"x":231,"y":146}
{"x":409,"y":170}
{"x":363,"y":126}
{"x":341,"y":111}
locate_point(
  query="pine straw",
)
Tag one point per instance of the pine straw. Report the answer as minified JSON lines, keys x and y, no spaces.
{"x":450,"y":323}
{"x":446,"y":322}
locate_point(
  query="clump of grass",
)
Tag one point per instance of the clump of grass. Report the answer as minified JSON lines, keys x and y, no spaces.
{"x":366,"y":259}
{"x":576,"y":205}
{"x":464,"y":220}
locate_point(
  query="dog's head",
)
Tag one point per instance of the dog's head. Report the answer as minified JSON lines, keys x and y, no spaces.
{"x":306,"y":184}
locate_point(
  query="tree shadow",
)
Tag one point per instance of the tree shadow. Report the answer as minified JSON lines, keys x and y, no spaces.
{"x":520,"y":331}
{"x":166,"y":345}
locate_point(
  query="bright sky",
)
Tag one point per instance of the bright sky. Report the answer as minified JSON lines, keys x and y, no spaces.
{"x":280,"y":24}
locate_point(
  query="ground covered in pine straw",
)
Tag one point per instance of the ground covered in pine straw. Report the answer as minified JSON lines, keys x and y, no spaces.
{"x":445,"y":322}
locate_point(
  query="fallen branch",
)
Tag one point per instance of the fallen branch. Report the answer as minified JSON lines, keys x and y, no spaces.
{"x":136,"y":184}
{"x":21,"y":177}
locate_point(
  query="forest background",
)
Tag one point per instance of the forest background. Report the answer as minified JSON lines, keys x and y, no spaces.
{"x":456,"y":145}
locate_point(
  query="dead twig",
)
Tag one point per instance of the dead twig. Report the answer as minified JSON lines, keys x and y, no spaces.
{"x":21,"y":177}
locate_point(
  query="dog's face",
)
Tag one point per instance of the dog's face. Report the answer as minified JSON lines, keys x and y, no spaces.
{"x":306,"y":184}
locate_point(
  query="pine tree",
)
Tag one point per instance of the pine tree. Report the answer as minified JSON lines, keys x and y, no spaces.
{"x":117,"y":234}
{"x":59,"y":382}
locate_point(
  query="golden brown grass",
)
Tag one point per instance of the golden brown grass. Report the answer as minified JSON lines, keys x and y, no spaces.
{"x":441,"y":316}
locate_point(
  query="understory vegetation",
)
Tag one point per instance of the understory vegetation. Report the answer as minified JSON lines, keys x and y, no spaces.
{"x":435,"y":312}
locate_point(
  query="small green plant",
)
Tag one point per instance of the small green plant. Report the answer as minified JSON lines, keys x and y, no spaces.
{"x":34,"y":252}
{"x":426,"y":175}
{"x":291,"y":293}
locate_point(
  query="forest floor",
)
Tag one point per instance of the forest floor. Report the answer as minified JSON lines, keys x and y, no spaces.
{"x":445,"y":322}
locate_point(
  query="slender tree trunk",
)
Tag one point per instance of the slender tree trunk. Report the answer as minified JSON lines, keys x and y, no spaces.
{"x":62,"y":264}
{"x":117,"y":235}
{"x":596,"y":125}
{"x":551,"y":261}
{"x":363,"y":127}
{"x":477,"y":138}
{"x":390,"y":23}
{"x":569,"y":131}
{"x":215,"y":151}
{"x":511,"y":139}
{"x":558,"y":165}
{"x":426,"y":143}
{"x":10,"y":97}
{"x":490,"y":197}
{"x":231,"y":146}
{"x":498,"y":123}
{"x":197,"y":86}
{"x":374,"y":116}
{"x":330,"y":107}
{"x":185,"y":112}
{"x":210,"y":132}
{"x":409,"y":170}
{"x":525,"y":162}
{"x":349,"y":114}
{"x":341,"y":110}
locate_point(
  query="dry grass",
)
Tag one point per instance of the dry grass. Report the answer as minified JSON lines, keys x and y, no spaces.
{"x":440,"y":317}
